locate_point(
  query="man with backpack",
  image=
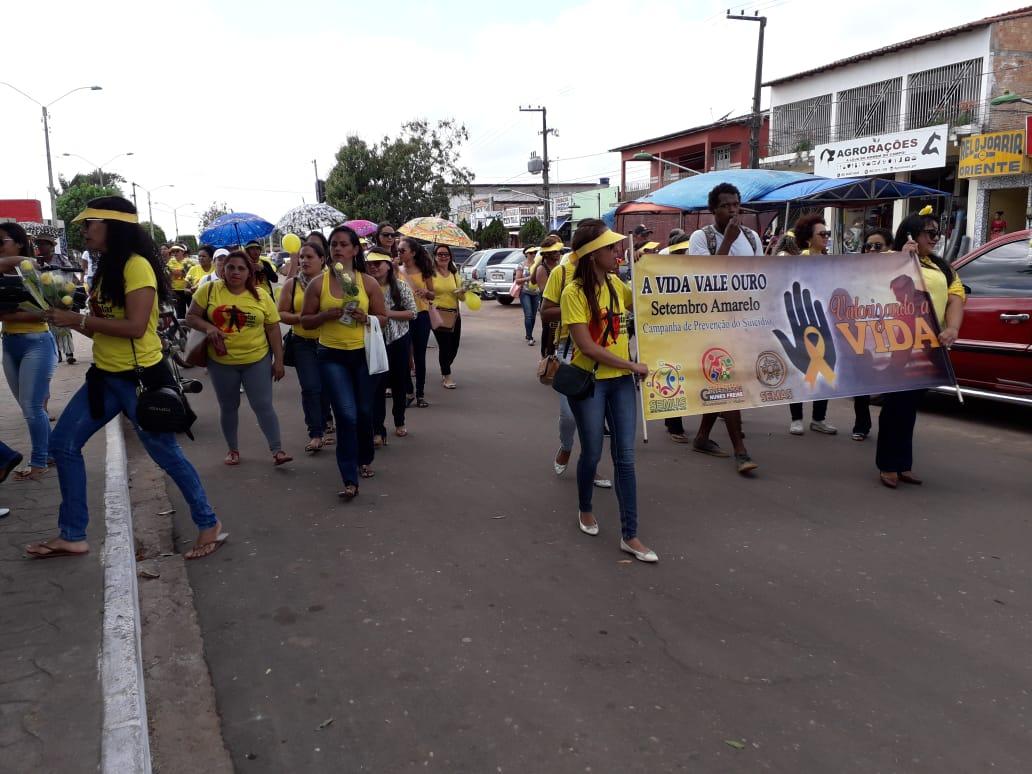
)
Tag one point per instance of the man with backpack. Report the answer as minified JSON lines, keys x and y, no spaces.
{"x":726,"y":236}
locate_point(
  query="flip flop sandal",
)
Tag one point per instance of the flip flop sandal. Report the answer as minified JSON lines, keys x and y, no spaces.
{"x":51,"y":552}
{"x":30,"y":474}
{"x":313,"y":446}
{"x":232,"y":458}
{"x":401,"y":432}
{"x":366,"y":472}
{"x":710,"y":447}
{"x":281,"y":458}
{"x":202,"y":550}
{"x":349,"y":492}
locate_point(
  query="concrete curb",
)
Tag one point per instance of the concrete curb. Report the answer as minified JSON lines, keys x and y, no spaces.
{"x":125,"y":746}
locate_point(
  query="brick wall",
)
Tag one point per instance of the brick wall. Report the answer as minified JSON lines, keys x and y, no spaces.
{"x":1011,"y":45}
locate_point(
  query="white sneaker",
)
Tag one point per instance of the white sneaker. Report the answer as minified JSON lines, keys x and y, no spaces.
{"x":796,"y":428}
{"x":823,"y":427}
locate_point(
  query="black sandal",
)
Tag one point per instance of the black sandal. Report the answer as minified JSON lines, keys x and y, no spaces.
{"x":421,"y":402}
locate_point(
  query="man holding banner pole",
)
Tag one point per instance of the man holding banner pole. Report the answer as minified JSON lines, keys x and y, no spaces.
{"x":726,"y":237}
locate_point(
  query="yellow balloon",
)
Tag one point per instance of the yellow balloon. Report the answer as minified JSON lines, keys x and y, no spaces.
{"x":292,"y":243}
{"x":472,"y":301}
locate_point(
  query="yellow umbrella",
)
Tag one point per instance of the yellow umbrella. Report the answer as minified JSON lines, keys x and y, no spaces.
{"x":437,"y":230}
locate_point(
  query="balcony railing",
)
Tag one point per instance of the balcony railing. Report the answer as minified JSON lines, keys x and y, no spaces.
{"x":798,"y":127}
{"x":945,"y":95}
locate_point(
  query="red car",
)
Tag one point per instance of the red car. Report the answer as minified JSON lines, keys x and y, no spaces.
{"x":993,"y":355}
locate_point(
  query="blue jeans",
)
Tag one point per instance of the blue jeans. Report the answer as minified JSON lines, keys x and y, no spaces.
{"x":613,"y":399}
{"x":76,"y":427}
{"x":29,"y":362}
{"x":307,"y":365}
{"x":346,"y":377}
{"x":530,"y":303}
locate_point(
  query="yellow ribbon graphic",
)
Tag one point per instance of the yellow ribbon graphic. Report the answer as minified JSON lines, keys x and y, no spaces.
{"x":818,"y":365}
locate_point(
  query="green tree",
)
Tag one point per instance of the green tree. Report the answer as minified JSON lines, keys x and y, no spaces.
{"x":72,"y":201}
{"x":214,"y":210}
{"x":111,"y":180}
{"x":399,"y":179}
{"x":495,"y":235}
{"x":159,"y":232}
{"x":532,"y":232}
{"x":464,"y":225}
{"x":189,"y":241}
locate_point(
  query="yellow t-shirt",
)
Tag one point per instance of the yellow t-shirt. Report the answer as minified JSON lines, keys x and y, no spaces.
{"x":444,"y":291}
{"x":558,"y":279}
{"x":196,"y":273}
{"x":242,"y":318}
{"x":416,"y":281}
{"x":935,"y":284}
{"x":337,"y":334}
{"x":575,"y":309}
{"x":296,"y":307}
{"x":177,"y":272}
{"x":115,"y":353}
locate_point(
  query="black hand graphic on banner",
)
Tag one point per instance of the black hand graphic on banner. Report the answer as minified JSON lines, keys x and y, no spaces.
{"x":803,"y":313}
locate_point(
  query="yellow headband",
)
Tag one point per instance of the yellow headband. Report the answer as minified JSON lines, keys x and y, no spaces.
{"x":650,"y":246}
{"x":557,"y":247}
{"x":678,"y":246}
{"x":530,"y":250}
{"x":91,"y":213}
{"x":790,"y":233}
{"x":372,"y":257}
{"x":605,"y":239}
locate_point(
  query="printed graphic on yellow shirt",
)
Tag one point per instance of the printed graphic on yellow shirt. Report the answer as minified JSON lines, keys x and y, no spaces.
{"x":229,"y":318}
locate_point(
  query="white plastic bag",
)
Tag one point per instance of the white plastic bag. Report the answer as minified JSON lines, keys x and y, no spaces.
{"x":375,"y":348}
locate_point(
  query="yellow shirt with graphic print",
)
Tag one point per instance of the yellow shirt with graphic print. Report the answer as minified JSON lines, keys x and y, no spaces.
{"x":241,"y":317}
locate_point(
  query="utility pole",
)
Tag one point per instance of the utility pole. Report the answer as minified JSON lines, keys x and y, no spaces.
{"x":134,"y":198}
{"x":150,"y":216}
{"x":546,"y":189}
{"x":50,"y":165}
{"x":757,"y":119}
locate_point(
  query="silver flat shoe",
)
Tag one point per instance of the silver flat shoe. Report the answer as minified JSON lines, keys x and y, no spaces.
{"x":603,"y":483}
{"x":592,"y":530}
{"x":642,"y":556}
{"x":559,"y":469}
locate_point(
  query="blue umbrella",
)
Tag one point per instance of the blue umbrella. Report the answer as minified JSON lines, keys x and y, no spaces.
{"x":236,"y":228}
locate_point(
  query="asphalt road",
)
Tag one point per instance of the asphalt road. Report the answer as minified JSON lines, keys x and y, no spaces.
{"x":453,"y":618}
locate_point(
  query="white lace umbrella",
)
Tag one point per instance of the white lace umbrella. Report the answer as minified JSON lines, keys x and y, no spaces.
{"x":310,"y":217}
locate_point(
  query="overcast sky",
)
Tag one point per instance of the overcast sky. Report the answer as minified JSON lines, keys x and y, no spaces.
{"x":230,"y":100}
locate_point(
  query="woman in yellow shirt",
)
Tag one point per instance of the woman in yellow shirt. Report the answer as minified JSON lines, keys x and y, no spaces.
{"x":445,"y":294}
{"x":178,"y":265}
{"x":30,"y":357}
{"x":918,"y":235}
{"x":594,"y":306}
{"x":305,"y":343}
{"x":418,"y":271}
{"x":338,"y":304}
{"x":245,"y":349}
{"x":128,"y":285}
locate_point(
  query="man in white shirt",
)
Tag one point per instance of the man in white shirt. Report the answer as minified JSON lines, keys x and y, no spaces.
{"x":725,"y":237}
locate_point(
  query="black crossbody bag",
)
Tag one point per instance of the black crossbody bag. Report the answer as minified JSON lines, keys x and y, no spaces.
{"x":574,"y":382}
{"x":161,"y":407}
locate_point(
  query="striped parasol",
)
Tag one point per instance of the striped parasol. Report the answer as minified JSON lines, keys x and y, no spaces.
{"x":437,"y":230}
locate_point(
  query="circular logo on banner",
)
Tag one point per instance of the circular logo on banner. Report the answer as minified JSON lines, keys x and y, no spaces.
{"x":666,"y":381}
{"x":771,"y":369}
{"x":718,"y":365}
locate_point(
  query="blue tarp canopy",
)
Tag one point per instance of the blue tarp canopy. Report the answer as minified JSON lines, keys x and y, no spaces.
{"x":820,"y":190}
{"x":771,"y":189}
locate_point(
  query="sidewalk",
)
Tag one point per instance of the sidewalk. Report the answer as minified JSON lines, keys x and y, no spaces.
{"x":50,"y":611}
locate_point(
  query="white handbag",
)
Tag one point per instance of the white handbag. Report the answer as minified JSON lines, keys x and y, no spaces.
{"x":375,"y":348}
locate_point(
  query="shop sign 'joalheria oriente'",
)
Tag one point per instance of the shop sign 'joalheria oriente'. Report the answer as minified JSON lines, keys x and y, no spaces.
{"x":993,"y":154}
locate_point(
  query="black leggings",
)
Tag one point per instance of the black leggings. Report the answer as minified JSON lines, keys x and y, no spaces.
{"x":895,"y":452}
{"x":448,"y":346}
{"x":397,"y":378}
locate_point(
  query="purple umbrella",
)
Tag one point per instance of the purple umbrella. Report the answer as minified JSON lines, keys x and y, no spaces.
{"x":361,"y":227}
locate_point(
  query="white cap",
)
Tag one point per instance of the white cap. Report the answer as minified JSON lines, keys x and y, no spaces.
{"x":222,"y":252}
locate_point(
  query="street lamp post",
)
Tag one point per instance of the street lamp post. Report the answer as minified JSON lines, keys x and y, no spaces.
{"x":46,"y":137}
{"x":150,"y":210}
{"x":98,"y":167}
{"x":175,"y":213}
